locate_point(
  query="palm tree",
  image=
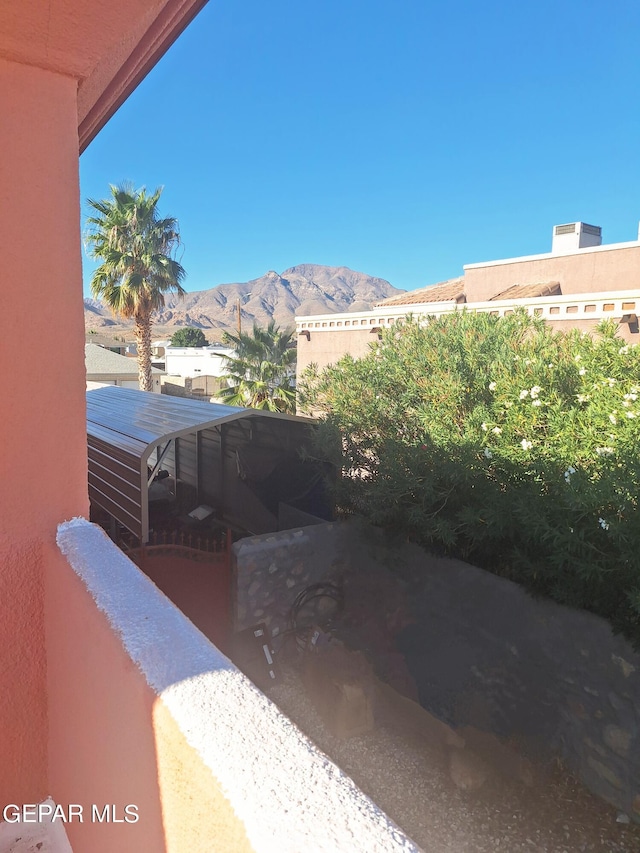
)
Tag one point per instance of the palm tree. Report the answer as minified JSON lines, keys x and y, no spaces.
{"x":262,"y":371}
{"x":135,"y":246}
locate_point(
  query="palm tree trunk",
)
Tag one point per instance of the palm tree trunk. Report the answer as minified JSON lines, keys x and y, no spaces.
{"x":143,"y":343}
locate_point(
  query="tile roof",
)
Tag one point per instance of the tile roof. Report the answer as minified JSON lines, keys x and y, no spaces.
{"x":451,"y":290}
{"x":527,"y":291}
{"x":106,"y":340}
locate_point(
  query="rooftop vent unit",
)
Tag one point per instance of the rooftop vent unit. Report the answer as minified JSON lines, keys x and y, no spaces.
{"x":575,"y":235}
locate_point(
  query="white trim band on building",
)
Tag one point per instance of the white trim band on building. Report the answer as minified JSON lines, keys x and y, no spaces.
{"x":571,"y":306}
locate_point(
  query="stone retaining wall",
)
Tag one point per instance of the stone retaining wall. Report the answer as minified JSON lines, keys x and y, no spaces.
{"x":556,"y":681}
{"x":480,"y":651}
{"x":270,"y":570}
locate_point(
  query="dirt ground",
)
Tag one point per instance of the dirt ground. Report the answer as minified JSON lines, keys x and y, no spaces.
{"x":409,"y":776}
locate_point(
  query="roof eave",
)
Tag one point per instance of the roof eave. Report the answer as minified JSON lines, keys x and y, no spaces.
{"x":109,"y":89}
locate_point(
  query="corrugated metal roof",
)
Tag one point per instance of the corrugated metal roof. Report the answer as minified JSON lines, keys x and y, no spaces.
{"x":447,"y":291}
{"x":132,"y":418}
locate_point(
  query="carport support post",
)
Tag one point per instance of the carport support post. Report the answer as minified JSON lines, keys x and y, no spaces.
{"x":223,"y":433}
{"x":198,"y":466}
{"x":160,"y":454}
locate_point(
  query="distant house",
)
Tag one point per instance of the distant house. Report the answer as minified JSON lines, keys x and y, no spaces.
{"x":192,"y":362}
{"x":158,"y":350}
{"x":195,"y":371}
{"x":108,"y":368}
{"x":577,"y":284}
{"x":121,"y":347}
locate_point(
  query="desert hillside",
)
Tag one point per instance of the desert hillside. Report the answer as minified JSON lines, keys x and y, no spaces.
{"x":303,"y":289}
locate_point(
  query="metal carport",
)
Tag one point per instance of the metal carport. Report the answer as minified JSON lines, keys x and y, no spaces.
{"x":216,"y":454}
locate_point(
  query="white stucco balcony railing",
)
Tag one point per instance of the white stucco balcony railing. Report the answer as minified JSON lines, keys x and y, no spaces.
{"x":145,"y":710}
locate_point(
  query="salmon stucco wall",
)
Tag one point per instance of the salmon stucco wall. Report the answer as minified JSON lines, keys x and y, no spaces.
{"x":101,"y":746}
{"x":42,"y":454}
{"x":145,"y":711}
{"x":588,"y":271}
{"x":112,"y":739}
{"x":325,"y":348}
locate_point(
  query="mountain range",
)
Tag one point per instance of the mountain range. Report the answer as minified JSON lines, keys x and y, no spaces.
{"x":303,"y":289}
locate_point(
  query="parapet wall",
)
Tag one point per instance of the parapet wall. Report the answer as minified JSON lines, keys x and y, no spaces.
{"x":145,"y":711}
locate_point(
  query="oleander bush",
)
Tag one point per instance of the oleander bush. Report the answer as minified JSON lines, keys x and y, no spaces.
{"x":501,"y":442}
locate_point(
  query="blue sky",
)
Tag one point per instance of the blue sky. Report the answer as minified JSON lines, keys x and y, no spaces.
{"x":400,"y":138}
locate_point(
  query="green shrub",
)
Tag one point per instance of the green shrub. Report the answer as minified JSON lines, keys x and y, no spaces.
{"x":189,"y":337}
{"x":500,"y":442}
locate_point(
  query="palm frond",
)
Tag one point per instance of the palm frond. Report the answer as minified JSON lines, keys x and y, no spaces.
{"x":261,"y":372}
{"x":136,"y":248}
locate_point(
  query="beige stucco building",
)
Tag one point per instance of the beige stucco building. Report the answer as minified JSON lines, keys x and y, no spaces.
{"x":576,"y":285}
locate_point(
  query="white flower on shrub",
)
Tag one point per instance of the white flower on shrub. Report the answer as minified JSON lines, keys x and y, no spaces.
{"x":524,"y":393}
{"x":612,"y":418}
{"x":583,"y":398}
{"x":567,"y":474}
{"x":484,"y":427}
{"x":623,"y":350}
{"x":610,"y":381}
{"x":632,"y":396}
{"x":496,"y":430}
{"x":577,"y":357}
{"x":528,"y":361}
{"x":630,"y":415}
{"x":604,"y":451}
{"x":603,"y":524}
{"x":535,"y":391}
{"x":492,"y":386}
{"x":536,"y":403}
{"x":526,"y":444}
{"x":488,"y":453}
{"x":582,"y":371}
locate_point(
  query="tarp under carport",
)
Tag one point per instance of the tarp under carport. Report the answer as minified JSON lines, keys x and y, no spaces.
{"x":241,"y":461}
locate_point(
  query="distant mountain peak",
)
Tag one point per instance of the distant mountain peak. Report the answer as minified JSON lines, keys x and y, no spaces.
{"x":301,"y":289}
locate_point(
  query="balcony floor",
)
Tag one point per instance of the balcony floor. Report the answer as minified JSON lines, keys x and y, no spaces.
{"x":45,"y":837}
